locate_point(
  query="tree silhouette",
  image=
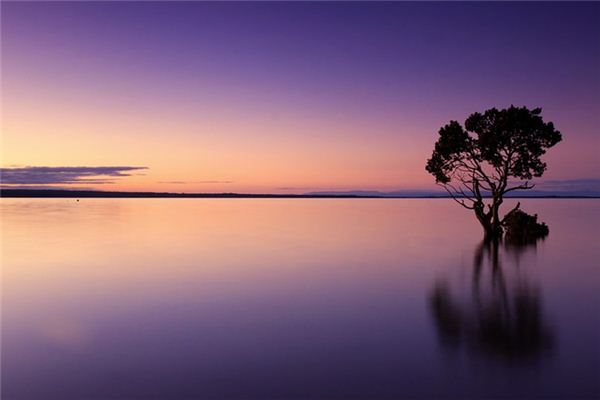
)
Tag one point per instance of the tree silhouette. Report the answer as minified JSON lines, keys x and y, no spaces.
{"x":496,"y":152}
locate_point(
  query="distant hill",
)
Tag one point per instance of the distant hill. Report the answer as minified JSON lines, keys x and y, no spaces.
{"x":439,"y":194}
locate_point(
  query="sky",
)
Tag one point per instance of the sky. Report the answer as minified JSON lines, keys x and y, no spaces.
{"x":282,"y":97}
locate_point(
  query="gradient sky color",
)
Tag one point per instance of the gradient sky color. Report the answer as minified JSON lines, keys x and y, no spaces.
{"x":287,"y":97}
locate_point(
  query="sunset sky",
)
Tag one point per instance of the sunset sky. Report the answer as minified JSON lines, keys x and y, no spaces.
{"x":283,"y":97}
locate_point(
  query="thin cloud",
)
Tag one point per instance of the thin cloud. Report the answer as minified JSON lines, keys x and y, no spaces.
{"x":63,"y":175}
{"x":42,"y":187}
{"x":295,"y":188}
{"x":192,"y":182}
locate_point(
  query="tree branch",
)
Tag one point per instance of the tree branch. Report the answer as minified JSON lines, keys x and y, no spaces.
{"x":459,"y":201}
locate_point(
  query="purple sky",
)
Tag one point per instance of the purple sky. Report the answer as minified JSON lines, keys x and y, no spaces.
{"x":300,"y":95}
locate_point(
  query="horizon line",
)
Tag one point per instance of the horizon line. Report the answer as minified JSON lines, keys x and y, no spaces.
{"x":92,"y":193}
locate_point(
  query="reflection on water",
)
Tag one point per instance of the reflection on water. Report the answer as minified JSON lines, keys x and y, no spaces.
{"x":501,"y":317}
{"x":293,"y":299}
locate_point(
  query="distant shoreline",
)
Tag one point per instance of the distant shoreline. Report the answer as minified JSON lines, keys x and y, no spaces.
{"x":33,"y":193}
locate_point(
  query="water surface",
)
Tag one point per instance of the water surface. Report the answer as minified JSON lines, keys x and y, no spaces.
{"x":294,"y":298}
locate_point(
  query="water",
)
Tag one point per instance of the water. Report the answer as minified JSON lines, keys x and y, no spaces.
{"x":294,"y":298}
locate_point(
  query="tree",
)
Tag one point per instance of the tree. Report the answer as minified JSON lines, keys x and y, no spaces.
{"x":496,"y":152}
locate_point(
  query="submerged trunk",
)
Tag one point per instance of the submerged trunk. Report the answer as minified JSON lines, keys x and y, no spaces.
{"x":491,"y":230}
{"x":490,"y":221}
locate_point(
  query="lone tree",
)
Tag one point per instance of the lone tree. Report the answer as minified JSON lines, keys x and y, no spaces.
{"x":496,"y":152}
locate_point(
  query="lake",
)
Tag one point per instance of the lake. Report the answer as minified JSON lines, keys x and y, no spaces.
{"x":295,"y":299}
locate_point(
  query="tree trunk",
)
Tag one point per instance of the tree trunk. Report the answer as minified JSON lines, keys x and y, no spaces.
{"x":486,"y":221}
{"x":491,"y":231}
{"x":490,"y":222}
{"x":496,"y":222}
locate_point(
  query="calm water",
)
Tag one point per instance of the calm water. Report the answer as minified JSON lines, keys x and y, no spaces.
{"x":284,"y":298}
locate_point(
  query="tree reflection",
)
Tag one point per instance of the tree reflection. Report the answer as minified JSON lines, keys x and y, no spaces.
{"x":500,"y":318}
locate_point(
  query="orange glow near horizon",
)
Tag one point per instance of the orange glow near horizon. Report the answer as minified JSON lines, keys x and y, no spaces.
{"x":237,"y":152}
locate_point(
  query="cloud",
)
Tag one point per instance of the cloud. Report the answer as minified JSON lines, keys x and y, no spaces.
{"x":42,"y":187}
{"x":63,"y":175}
{"x":294,"y":188}
{"x":192,"y":182}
